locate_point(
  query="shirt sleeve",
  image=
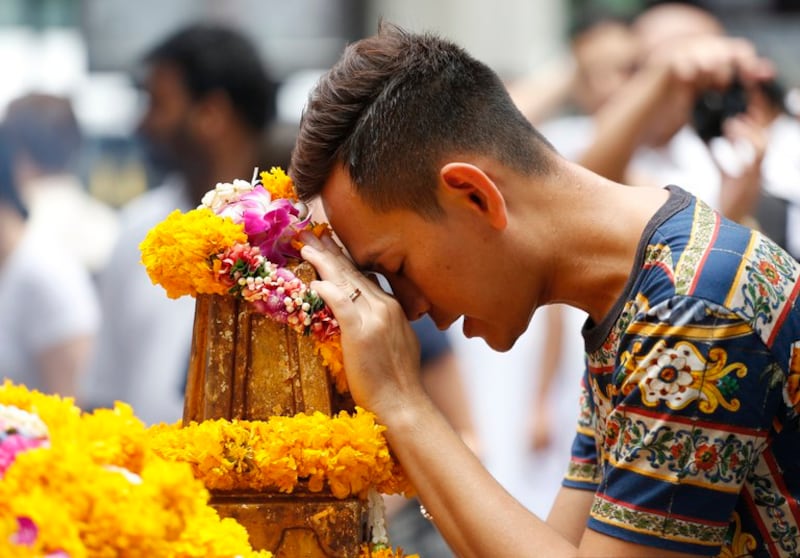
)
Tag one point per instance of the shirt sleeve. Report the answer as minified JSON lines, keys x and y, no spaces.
{"x":583,"y":471}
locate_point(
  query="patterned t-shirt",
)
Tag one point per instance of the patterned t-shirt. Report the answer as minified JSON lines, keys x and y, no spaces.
{"x":689,"y":430}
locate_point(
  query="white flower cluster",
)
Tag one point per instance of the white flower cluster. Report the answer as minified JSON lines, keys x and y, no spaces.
{"x":376,"y":518}
{"x":25,"y":423}
{"x":225,"y":193}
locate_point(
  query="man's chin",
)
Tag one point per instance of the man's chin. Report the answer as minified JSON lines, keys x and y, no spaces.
{"x":474,"y":328}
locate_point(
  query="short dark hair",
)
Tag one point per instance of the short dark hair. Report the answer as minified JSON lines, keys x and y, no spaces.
{"x":394,"y":106}
{"x":211,"y":57}
{"x":44,"y":128}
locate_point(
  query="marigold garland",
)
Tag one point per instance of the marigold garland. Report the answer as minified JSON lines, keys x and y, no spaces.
{"x":238,"y":243}
{"x":384,"y":552}
{"x":178,"y":256}
{"x":105,"y":485}
{"x":348,"y":453}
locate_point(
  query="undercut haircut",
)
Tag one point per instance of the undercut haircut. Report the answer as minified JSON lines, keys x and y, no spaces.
{"x":397,"y":106}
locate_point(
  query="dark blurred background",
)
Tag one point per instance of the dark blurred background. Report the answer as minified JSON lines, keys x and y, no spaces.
{"x":88,"y":49}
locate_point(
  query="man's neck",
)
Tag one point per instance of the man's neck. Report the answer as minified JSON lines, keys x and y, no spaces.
{"x":594,"y":256}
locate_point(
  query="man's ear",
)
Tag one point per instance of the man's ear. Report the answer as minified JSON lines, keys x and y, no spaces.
{"x":468,"y":183}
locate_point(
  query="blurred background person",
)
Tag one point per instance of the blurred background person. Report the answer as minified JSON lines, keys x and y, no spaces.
{"x":210,"y":101}
{"x":779,"y":211}
{"x":49,"y":313}
{"x":603,"y":54}
{"x":647,"y":128}
{"x":46,"y":141}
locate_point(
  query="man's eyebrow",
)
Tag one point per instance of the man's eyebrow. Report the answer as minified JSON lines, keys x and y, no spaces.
{"x":362,"y":264}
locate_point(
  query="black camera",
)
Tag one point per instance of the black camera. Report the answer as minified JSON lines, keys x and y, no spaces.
{"x":713,"y":107}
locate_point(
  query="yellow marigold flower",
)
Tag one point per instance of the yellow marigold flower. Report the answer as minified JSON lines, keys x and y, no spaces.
{"x":383,"y":552}
{"x":58,"y":413}
{"x":99,"y":490}
{"x":330,"y":351}
{"x":278,"y":184}
{"x":178,"y":252}
{"x":115,"y":436}
{"x":348,"y":453}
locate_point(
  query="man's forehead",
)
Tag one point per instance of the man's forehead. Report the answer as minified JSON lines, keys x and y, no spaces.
{"x":338,"y":184}
{"x":339,"y":199}
{"x":355,"y":225}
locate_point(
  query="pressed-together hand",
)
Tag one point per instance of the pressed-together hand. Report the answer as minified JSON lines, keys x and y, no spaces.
{"x":381,"y":352}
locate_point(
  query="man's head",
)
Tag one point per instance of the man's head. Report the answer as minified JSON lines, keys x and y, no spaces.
{"x":43,"y":134}
{"x":203,"y":81}
{"x":606,"y":55}
{"x":395,"y":108}
{"x":669,"y":22}
{"x":413,"y":147}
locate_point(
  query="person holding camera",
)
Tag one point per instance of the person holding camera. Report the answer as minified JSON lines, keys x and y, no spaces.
{"x":649,"y":133}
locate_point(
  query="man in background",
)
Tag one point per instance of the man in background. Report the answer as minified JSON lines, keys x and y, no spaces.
{"x":210,"y":104}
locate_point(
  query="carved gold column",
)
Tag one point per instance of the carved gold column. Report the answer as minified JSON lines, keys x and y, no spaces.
{"x":246,"y":366}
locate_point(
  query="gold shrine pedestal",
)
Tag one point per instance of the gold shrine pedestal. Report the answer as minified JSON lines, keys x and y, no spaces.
{"x":246,"y":366}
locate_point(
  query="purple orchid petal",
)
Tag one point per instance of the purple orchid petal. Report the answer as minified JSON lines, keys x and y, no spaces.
{"x":274,"y":230}
{"x":27,"y":531}
{"x":271,"y":225}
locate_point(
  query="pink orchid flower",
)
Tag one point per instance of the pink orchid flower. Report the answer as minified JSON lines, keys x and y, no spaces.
{"x":269,"y":224}
{"x":27,"y":531}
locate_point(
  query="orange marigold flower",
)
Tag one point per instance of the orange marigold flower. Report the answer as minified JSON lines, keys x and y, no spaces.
{"x":317,"y":229}
{"x":100,"y":490}
{"x":330,"y":351}
{"x":383,"y":552}
{"x":178,"y":252}
{"x":348,"y":453}
{"x":278,"y":184}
